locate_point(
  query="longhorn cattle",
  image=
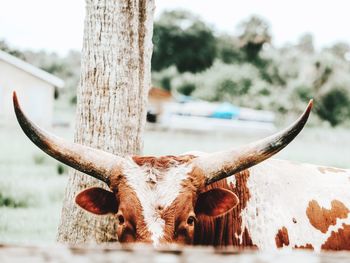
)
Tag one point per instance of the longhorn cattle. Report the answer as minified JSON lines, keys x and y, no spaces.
{"x":222,"y":199}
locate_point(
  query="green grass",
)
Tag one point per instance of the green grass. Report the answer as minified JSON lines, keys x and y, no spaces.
{"x":32,"y":225}
{"x":33,"y":189}
{"x":320,"y":146}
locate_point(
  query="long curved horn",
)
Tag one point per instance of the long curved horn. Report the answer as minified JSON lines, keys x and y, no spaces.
{"x":97,"y":163}
{"x":219,"y":165}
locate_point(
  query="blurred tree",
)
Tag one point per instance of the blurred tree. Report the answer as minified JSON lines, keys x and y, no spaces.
{"x":262,"y":76}
{"x":340,"y":49}
{"x":254,"y":33}
{"x":237,"y":83}
{"x":187,"y":88}
{"x":304,"y":92}
{"x":14,"y":52}
{"x":334,"y":106}
{"x":183,"y":40}
{"x":164,"y":77}
{"x":228,"y":49}
{"x":306,"y":43}
{"x":322,"y":75}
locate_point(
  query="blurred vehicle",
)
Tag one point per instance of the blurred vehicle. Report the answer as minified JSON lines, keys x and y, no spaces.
{"x":185,"y":113}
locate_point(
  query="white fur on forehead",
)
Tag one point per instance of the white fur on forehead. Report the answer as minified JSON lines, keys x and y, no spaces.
{"x":155,"y":189}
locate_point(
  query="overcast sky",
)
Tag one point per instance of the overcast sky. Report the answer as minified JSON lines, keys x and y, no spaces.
{"x":57,"y":25}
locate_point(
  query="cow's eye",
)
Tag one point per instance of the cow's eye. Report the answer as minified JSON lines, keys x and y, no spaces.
{"x":191,"y":220}
{"x":121,"y":219}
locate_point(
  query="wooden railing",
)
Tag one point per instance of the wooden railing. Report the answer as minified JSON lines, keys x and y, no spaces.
{"x":145,"y":254}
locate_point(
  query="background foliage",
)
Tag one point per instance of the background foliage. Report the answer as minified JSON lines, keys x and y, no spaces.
{"x":244,"y":68}
{"x":248,"y":70}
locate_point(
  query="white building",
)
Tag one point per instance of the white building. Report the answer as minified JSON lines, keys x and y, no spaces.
{"x":35,"y":89}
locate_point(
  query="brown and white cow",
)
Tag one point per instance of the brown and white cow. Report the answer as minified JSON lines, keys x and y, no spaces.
{"x":222,"y":199}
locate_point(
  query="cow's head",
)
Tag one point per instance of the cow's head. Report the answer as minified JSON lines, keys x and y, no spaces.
{"x":158,"y":199}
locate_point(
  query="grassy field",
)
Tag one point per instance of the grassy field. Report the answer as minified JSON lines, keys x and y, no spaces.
{"x":31,"y":188}
{"x":320,"y":146}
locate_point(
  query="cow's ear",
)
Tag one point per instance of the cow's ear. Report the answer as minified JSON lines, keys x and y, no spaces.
{"x":215,"y":202}
{"x":97,"y":201}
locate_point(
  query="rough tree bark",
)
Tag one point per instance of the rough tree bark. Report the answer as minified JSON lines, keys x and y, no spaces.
{"x":112,"y":96}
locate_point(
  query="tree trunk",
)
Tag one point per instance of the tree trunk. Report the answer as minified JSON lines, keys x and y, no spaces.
{"x":112,"y":96}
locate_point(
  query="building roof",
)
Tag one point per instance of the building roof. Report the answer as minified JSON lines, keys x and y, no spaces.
{"x":36,"y":72}
{"x":159,"y":94}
